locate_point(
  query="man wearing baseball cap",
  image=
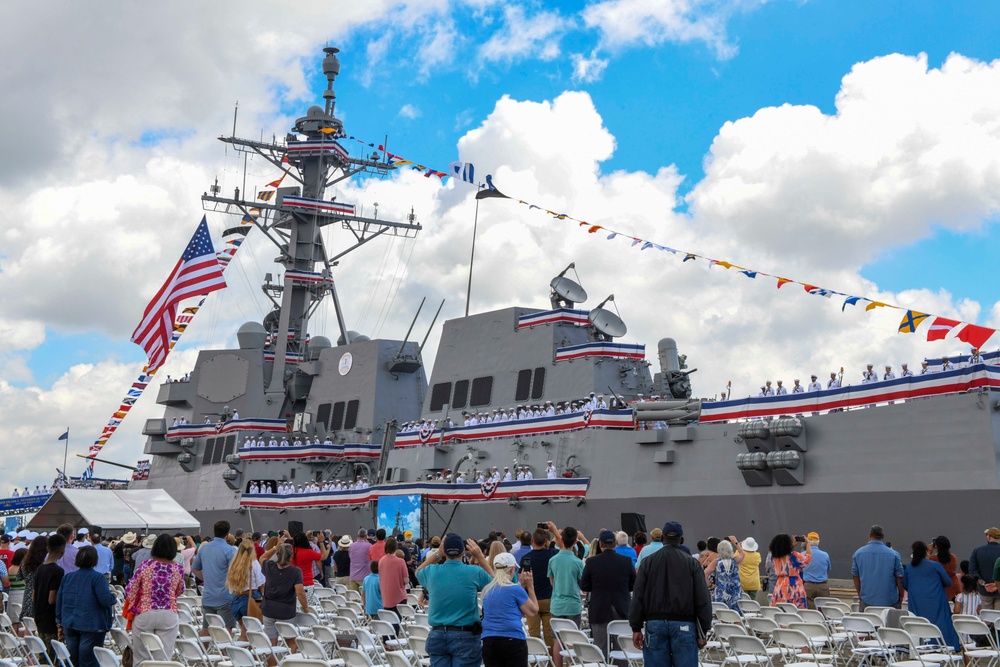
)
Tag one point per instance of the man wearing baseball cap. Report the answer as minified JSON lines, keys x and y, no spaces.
{"x":816,"y":575}
{"x":609,"y":578}
{"x":981,"y":564}
{"x":453,"y":589}
{"x":671,"y":600}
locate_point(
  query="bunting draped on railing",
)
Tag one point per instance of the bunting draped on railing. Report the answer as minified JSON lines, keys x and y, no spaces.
{"x":535,"y":489}
{"x":911,"y":320}
{"x":908,"y":388}
{"x":232,"y":239}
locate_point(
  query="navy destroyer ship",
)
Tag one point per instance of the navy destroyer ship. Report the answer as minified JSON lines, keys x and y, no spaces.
{"x":295,"y":424}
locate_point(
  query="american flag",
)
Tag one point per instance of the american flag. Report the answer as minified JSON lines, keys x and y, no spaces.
{"x":197,"y":273}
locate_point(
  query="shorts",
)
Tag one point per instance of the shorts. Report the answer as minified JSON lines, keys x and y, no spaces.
{"x":225,"y":611}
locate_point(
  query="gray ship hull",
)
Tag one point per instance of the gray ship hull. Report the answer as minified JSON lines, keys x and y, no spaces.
{"x":920,"y":469}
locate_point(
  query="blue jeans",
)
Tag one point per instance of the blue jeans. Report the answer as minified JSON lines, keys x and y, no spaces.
{"x":81,"y":646}
{"x":454,"y":648}
{"x":670,"y":644}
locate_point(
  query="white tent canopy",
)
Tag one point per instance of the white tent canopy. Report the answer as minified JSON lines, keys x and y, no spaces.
{"x":144,"y":510}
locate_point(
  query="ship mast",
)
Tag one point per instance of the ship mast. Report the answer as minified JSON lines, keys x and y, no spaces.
{"x":310,"y":156}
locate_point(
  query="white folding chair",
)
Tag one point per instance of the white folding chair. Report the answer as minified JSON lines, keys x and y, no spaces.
{"x":356,"y":658}
{"x":747,"y":650}
{"x":589,"y":655}
{"x":397,"y":659}
{"x":538,"y":652}
{"x":633,"y":656}
{"x":967,"y":628}
{"x":105,"y":657}
{"x":35,"y":647}
{"x":797,"y":649}
{"x":312,"y":649}
{"x":119,"y":640}
{"x":62,"y":654}
{"x":617,"y":629}
{"x":192,"y":653}
{"x":260,"y":646}
{"x":749,"y":607}
{"x":154,"y":645}
{"x":241,"y":657}
{"x":385,"y":631}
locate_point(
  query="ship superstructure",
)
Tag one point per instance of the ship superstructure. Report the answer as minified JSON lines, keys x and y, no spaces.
{"x":626,"y":439}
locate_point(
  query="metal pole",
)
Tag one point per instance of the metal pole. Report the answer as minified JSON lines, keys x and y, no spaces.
{"x":472,"y":256}
{"x":66,"y":454}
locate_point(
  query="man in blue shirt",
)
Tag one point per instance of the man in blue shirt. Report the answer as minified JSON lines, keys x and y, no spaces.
{"x":816,"y":574}
{"x":211,"y":565}
{"x":878,"y":572}
{"x":453,"y":613}
{"x":105,"y":559}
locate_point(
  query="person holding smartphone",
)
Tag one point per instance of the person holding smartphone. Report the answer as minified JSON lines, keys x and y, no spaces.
{"x":788,"y":565}
{"x":536,"y":561}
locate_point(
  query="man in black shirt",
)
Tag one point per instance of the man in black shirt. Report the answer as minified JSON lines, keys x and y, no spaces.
{"x":536,"y":561}
{"x":671,"y":599}
{"x":48,"y":576}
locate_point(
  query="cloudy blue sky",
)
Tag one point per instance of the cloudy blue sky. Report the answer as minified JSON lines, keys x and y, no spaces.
{"x":849,"y":144}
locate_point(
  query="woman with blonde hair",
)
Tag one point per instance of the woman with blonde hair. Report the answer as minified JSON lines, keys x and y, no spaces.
{"x":244,"y":579}
{"x":496,"y":548}
{"x":504,"y":603}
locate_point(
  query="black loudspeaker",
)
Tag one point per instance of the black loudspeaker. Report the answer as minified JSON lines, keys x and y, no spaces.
{"x":633,"y":523}
{"x":295,"y":527}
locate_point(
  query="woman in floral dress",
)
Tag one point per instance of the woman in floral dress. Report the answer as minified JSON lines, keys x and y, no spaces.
{"x":726,"y":569}
{"x":788,"y":566}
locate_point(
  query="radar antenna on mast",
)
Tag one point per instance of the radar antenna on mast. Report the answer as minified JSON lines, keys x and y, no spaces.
{"x":606,"y":325}
{"x":566,"y":292}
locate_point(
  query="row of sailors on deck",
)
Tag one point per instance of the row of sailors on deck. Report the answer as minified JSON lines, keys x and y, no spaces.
{"x":44,"y":491}
{"x":289,"y":489}
{"x":868,"y":376}
{"x":520,"y":473}
{"x":250,"y":443}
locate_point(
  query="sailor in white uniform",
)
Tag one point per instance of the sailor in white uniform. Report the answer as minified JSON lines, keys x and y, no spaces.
{"x":550,"y":470}
{"x":814,"y":385}
{"x":527,"y":473}
{"x":925,"y":369}
{"x":550,"y":411}
{"x":297,"y":443}
{"x":834,"y":382}
{"x":780,"y":391}
{"x":869,"y":376}
{"x":947,"y":365}
{"x":888,"y":375}
{"x":236,"y":415}
{"x":175,"y":422}
{"x":798,"y":388}
{"x":284,"y":441}
{"x":763,"y":392}
{"x":768,"y":389}
{"x":905,"y":372}
{"x":601,"y":404}
{"x":272,"y":442}
{"x":974,"y":358}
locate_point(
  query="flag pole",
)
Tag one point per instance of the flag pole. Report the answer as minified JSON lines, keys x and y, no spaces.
{"x":472,"y":255}
{"x":66,"y":450}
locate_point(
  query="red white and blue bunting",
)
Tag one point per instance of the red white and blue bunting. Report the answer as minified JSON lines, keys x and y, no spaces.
{"x":580,"y":318}
{"x":918,"y":386}
{"x":175,"y":433}
{"x":334,"y":451}
{"x":534,"y":489}
{"x":601,"y":350}
{"x":613,"y":419}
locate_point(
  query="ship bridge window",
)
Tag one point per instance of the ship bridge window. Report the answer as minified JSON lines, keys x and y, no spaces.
{"x":440,"y":394}
{"x":351,"y":418}
{"x":323,"y":415}
{"x":482,"y":391}
{"x":523,"y":389}
{"x":220,"y":449}
{"x":230,"y":446}
{"x":539,"y":385}
{"x":461,"y":398}
{"x":209,"y":449}
{"x":337,"y":420}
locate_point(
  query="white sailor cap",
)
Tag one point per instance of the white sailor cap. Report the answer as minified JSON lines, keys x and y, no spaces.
{"x":870,"y":365}
{"x":779,"y":381}
{"x":888,"y":365}
{"x":23,"y":533}
{"x":796,"y":379}
{"x":83,"y":531}
{"x":32,"y":536}
{"x":904,"y":364}
{"x":550,"y":461}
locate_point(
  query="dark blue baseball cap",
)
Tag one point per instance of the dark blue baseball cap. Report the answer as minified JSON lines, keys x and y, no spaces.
{"x":672,"y":529}
{"x":606,"y":536}
{"x":454,"y":545}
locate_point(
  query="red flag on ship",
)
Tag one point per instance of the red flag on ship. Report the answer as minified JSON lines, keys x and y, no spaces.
{"x":940,"y":327}
{"x":974,"y":335}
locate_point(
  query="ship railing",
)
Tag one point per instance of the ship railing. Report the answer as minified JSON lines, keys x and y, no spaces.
{"x":356,"y":450}
{"x":510,"y":492}
{"x":979,"y":377}
{"x":600,"y":419}
{"x":257,"y":426}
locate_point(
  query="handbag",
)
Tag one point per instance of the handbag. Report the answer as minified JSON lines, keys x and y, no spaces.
{"x":127,"y":657}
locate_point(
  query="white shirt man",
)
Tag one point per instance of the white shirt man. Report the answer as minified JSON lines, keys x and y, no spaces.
{"x":798,"y":388}
{"x":507,"y":477}
{"x":924,"y":369}
{"x":834,"y":382}
{"x":905,"y":372}
{"x":781,"y":391}
{"x":947,"y":365}
{"x":527,"y":473}
{"x":479,"y":477}
{"x":869,"y":376}
{"x":550,"y":410}
{"x":284,"y":442}
{"x":236,"y":415}
{"x":888,"y":375}
{"x":460,"y":479}
{"x":974,"y":358}
{"x":815,"y":385}
{"x":550,"y":470}
{"x":768,"y":389}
